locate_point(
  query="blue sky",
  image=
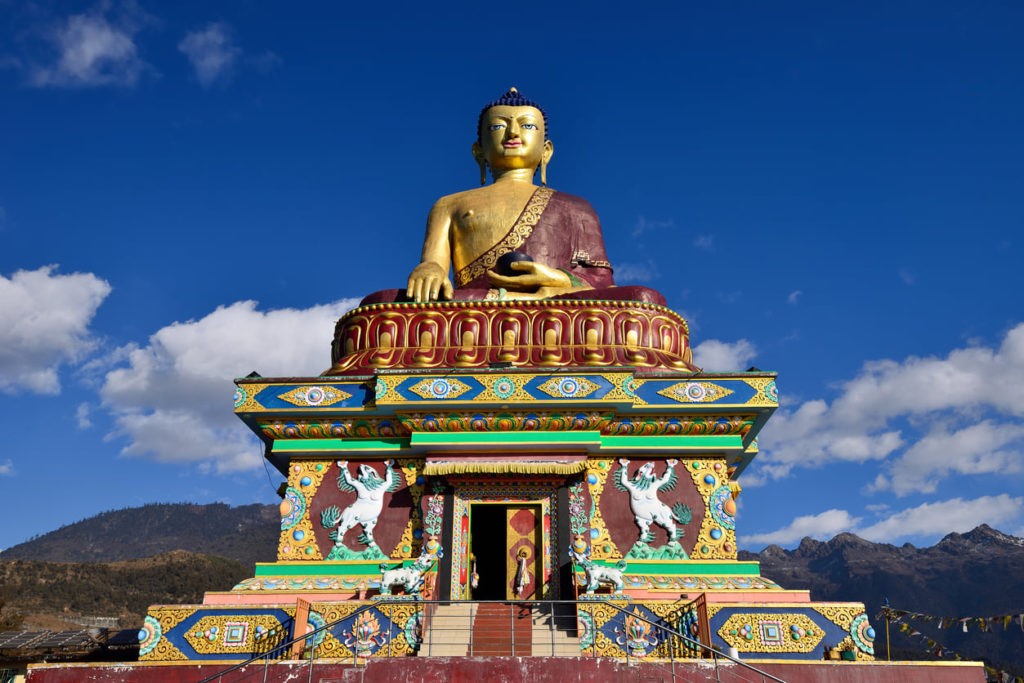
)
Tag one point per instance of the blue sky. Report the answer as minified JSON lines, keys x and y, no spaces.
{"x":189,"y":192}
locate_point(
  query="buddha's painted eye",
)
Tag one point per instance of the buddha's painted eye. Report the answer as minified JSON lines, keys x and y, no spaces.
{"x":529,"y":126}
{"x":496,"y":126}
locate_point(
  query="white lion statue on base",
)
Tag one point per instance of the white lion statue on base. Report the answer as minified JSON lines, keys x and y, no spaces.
{"x":409,"y":578}
{"x":596,"y":575}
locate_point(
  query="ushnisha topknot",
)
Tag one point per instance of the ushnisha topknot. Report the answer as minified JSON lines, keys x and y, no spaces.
{"x":512,"y":98}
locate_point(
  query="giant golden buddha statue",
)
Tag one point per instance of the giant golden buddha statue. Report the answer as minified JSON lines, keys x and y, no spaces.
{"x":512,"y":239}
{"x":512,"y":274}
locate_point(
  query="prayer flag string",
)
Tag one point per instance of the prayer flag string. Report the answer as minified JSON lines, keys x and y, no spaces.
{"x":900,"y":617}
{"x":983,"y":624}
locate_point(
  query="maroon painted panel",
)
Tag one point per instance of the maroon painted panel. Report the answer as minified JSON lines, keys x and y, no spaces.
{"x":518,"y":670}
{"x":394,"y":516}
{"x":618,"y":517}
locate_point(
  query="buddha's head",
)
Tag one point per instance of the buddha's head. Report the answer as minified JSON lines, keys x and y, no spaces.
{"x":512,"y":134}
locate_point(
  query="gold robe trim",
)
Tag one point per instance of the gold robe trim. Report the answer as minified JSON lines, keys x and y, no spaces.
{"x":513,"y":239}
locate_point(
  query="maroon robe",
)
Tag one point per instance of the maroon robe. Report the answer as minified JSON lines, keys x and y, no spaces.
{"x":557,"y":229}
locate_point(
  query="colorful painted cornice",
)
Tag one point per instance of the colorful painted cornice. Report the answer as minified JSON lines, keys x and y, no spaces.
{"x":568,"y":409}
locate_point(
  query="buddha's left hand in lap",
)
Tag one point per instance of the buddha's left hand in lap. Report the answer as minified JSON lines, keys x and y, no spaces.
{"x":535,"y":278}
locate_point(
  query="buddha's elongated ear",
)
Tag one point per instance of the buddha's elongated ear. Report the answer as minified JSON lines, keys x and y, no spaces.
{"x":478,"y":154}
{"x":545,"y":157}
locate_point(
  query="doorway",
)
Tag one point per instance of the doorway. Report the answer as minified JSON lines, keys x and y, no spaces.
{"x":521,"y":520}
{"x":506,"y":547}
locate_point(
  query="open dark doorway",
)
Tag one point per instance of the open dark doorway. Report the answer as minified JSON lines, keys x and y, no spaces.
{"x":487,"y":543}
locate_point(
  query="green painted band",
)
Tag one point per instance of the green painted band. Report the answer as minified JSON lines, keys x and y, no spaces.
{"x":682,"y":442}
{"x":357,"y":568}
{"x":506,"y":438}
{"x":685,"y":567}
{"x":587,"y":438}
{"x":305,"y":445}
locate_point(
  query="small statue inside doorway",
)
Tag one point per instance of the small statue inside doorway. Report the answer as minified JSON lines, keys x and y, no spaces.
{"x":648,"y":509}
{"x":474,"y":577}
{"x":523,"y":576}
{"x":369,"y":488}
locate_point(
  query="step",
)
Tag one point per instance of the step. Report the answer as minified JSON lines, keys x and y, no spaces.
{"x":451,"y":625}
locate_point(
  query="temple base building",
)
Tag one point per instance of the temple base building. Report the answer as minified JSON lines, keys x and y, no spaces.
{"x":521,"y":448}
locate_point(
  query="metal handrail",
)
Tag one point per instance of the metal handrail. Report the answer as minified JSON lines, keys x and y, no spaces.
{"x":580,"y":605}
{"x":715,"y":652}
{"x":282,"y":646}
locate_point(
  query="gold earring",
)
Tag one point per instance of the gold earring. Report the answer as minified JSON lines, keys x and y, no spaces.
{"x":483,"y":170}
{"x":544,"y":172}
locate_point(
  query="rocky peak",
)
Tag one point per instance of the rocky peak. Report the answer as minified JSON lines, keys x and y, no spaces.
{"x":980,"y":539}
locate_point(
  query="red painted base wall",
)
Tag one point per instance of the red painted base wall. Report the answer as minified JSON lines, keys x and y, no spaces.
{"x":514,"y":670}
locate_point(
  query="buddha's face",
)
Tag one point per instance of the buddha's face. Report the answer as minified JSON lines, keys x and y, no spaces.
{"x":513,"y":137}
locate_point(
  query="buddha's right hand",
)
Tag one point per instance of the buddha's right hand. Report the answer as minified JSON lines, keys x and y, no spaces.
{"x":427,"y":281}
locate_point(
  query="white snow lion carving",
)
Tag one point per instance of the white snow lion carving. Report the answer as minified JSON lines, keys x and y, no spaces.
{"x":370,"y":490}
{"x":643,"y":499}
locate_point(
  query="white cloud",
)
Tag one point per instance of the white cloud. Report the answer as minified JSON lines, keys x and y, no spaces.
{"x":7,"y":468}
{"x":943,"y":517}
{"x":983,"y":448}
{"x":82,"y":416}
{"x":822,"y":526}
{"x":44,"y":323}
{"x":94,"y":49}
{"x":636,"y":272}
{"x":925,"y":520}
{"x":712,"y":354}
{"x":644,"y":224}
{"x":705,"y":242}
{"x":883,"y":410}
{"x":172,"y":398}
{"x":794,"y":296}
{"x":809,"y":437}
{"x":212,"y":53}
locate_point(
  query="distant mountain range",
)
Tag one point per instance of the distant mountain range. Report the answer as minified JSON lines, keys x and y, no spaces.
{"x":117,"y":563}
{"x":123,"y":561}
{"x":977,"y":574}
{"x":247,"y":534}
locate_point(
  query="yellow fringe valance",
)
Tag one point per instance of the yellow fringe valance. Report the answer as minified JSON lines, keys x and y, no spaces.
{"x":446,"y":468}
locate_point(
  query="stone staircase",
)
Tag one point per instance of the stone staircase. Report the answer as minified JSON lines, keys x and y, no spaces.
{"x":500,"y":630}
{"x":447,"y":634}
{"x":554,"y":635}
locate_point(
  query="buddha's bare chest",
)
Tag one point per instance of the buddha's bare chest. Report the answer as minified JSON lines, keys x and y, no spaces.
{"x":480,"y":222}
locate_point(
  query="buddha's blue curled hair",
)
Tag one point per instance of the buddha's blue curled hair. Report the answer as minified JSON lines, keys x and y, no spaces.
{"x":512,"y":98}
